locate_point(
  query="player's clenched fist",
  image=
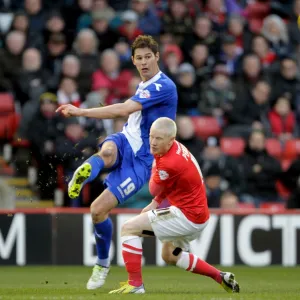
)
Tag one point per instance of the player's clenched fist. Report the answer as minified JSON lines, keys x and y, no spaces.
{"x":69,"y":110}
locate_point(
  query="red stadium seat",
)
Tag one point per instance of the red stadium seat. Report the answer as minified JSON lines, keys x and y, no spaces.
{"x":206,"y":126}
{"x":245,"y":205}
{"x":282,"y":190}
{"x":8,"y":117}
{"x":7,"y":104}
{"x":285,"y":163}
{"x":232,"y":146}
{"x":291,"y":149}
{"x":274,"y":206}
{"x":274,"y":148}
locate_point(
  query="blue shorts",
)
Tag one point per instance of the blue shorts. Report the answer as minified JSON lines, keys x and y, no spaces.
{"x":130,"y":172}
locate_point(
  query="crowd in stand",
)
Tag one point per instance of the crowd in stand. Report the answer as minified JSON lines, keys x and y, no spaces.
{"x":236,"y":61}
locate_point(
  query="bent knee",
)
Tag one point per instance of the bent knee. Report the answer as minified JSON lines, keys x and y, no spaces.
{"x":128,"y":228}
{"x":169,"y":258}
{"x":98,"y":211}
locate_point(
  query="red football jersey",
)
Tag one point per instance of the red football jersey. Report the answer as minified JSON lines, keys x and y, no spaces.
{"x":177,"y":177}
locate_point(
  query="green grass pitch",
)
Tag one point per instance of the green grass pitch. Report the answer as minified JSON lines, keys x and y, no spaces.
{"x":169,"y":283}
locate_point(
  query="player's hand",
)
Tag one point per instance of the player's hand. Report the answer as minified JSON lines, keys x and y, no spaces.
{"x":69,"y":110}
{"x":153,"y":205}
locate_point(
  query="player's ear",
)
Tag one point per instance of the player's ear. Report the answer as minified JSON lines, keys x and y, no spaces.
{"x":132,"y":58}
{"x":157,"y":56}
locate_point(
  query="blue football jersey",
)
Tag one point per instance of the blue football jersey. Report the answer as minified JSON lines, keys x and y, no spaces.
{"x":158,"y":97}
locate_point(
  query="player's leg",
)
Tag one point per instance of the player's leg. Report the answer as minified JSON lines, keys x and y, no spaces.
{"x":132,"y":252}
{"x":174,"y":255}
{"x":89,"y":170}
{"x":100,"y":209}
{"x":123,"y":182}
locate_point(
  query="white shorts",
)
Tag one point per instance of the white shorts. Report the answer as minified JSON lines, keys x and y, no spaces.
{"x":171,"y":225}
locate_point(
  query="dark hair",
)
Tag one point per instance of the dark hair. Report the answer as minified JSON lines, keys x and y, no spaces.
{"x":144,"y":41}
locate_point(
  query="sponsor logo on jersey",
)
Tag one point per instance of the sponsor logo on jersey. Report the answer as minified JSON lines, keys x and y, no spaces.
{"x":145,"y":94}
{"x":163,"y":175}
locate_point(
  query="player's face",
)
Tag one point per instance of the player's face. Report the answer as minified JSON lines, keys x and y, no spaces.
{"x":146,"y":62}
{"x":160,"y":143}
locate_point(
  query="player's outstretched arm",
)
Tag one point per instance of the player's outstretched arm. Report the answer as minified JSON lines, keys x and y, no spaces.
{"x":113,"y":111}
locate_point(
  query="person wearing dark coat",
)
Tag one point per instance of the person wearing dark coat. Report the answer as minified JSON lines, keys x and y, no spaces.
{"x":260,"y":170}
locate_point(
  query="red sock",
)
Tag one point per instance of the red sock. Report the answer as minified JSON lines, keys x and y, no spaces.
{"x":133,"y":262}
{"x":194,"y":264}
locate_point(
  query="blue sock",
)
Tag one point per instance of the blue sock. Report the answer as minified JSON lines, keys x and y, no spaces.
{"x":97,"y":164}
{"x":103,"y":235}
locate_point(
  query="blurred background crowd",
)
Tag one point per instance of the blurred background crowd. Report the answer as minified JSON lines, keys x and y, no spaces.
{"x":235,"y":64}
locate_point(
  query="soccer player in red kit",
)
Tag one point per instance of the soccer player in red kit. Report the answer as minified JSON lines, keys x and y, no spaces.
{"x":176,"y":176}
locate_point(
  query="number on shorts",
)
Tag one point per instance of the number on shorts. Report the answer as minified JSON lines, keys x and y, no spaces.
{"x":127,"y":186}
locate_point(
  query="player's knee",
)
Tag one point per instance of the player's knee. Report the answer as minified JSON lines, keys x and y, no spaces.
{"x":168,"y":257}
{"x":109,"y":155}
{"x":127,"y":229}
{"x":98,"y":212}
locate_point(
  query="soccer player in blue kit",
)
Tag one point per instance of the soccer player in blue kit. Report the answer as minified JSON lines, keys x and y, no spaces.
{"x":127,"y":153}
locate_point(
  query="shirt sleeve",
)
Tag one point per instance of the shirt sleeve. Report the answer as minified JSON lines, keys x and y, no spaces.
{"x":152,"y":95}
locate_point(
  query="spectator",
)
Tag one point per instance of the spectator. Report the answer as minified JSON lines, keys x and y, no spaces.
{"x":186,"y":136}
{"x":230,"y":54}
{"x":11,"y":60}
{"x":217,"y":12}
{"x":275,"y":31}
{"x":249,"y":111}
{"x":188,"y":91}
{"x":67,"y":92}
{"x":94,"y":127}
{"x":293,"y":27}
{"x":106,"y":36}
{"x":20,"y":22}
{"x":172,"y":57}
{"x":286,"y":80}
{"x":255,"y":12}
{"x":129,"y":29}
{"x":261,"y":47}
{"x":110,"y":79}
{"x":218,"y":97}
{"x":260,"y":171}
{"x":212,"y":156}
{"x":33,"y":8}
{"x":85,"y":47}
{"x":55,"y":24}
{"x":229,"y":201}
{"x":251,"y":72}
{"x":202,"y":62}
{"x":291,"y":180}
{"x":282,"y":119}
{"x":93,"y":7}
{"x":53,"y":57}
{"x":149,"y":22}
{"x":47,"y":127}
{"x":72,"y":149}
{"x":214,"y":189}
{"x":202,"y":33}
{"x":177,"y":20}
{"x":237,"y":28}
{"x":33,"y":79}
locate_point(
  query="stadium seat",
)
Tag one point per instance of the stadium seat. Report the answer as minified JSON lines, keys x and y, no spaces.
{"x":283,"y":192}
{"x":274,"y":148}
{"x":242,"y":205}
{"x":285,"y":163}
{"x":206,"y":126}
{"x":232,"y":146}
{"x":274,"y":206}
{"x":8,"y":117}
{"x":291,"y":149}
